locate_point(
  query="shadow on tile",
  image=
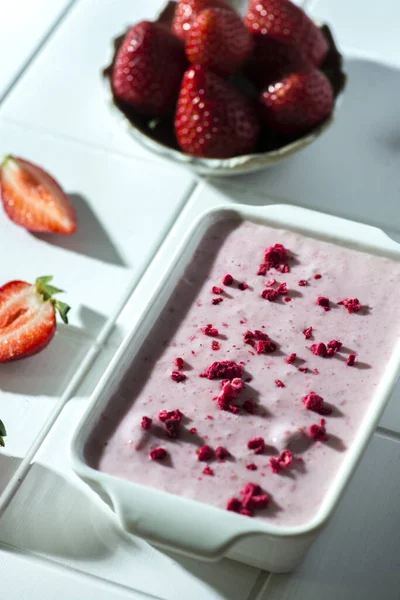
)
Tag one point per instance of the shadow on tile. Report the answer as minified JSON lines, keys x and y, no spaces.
{"x":65,"y":523}
{"x":8,"y":466}
{"x":90,"y":239}
{"x":352,"y":170}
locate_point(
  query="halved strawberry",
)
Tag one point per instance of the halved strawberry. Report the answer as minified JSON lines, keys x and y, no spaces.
{"x":33,"y":199}
{"x":28,"y":317}
{"x":213,"y":118}
{"x":219,"y":40}
{"x":148,"y":69}
{"x":286,"y":21}
{"x":186,"y":12}
{"x":297,"y":103}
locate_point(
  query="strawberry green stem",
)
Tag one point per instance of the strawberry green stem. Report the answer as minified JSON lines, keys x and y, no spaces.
{"x":47,"y":292}
{"x":3,"y":433}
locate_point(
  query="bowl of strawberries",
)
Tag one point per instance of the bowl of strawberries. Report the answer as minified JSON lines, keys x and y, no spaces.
{"x":224,"y":94}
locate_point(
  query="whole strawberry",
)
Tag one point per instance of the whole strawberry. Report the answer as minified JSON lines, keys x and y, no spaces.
{"x":148,"y":69}
{"x":214,"y":119}
{"x":33,"y":199}
{"x":187,"y":10}
{"x":219,"y":40}
{"x":272,"y":59}
{"x":28,"y":317}
{"x":284,"y":20}
{"x":297,"y":103}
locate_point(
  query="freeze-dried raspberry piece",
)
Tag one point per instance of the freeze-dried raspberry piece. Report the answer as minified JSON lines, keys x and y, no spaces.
{"x":303,"y":369}
{"x":270,"y":295}
{"x":271,"y":282}
{"x":323,"y":302}
{"x":178,"y":377}
{"x":315,"y":403}
{"x":351,"y":359}
{"x":319,"y":349}
{"x":279,"y":383}
{"x":249,"y":406}
{"x":335,"y":346}
{"x":227,"y":280}
{"x":243,"y":286}
{"x":158,"y":453}
{"x":217,"y":300}
{"x":262,"y":269}
{"x":303,"y":282}
{"x":291,"y":358}
{"x":175,"y":415}
{"x":215,"y":345}
{"x":146,"y":423}
{"x":221,"y":453}
{"x":208,"y":471}
{"x":318,"y":432}
{"x":352,"y":304}
{"x":205,"y":453}
{"x":193,"y":430}
{"x":260,"y":502}
{"x":179,"y":362}
{"x":281,"y":289}
{"x":217,"y":290}
{"x":265,"y":347}
{"x":234,"y":505}
{"x":229,"y":392}
{"x":251,"y":489}
{"x":276,"y":255}
{"x":278,"y":463}
{"x":283,"y":268}
{"x":252,"y":467}
{"x":225,"y":369}
{"x":287,"y":299}
{"x":318,"y":276}
{"x":257,"y":444}
{"x":210,"y":330}
{"x":308,"y":332}
{"x":246,"y":512}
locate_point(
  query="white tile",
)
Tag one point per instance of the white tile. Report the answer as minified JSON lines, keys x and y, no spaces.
{"x":69,"y":70}
{"x":54,"y":516}
{"x":23,"y":26}
{"x":125,"y":207}
{"x":357,"y":557}
{"x":372,"y":30}
{"x":45,"y":581}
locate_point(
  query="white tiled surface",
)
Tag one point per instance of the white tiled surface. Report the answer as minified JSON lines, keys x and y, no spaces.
{"x":23,"y":27}
{"x":64,"y":543}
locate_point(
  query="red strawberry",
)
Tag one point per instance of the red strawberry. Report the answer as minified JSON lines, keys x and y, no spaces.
{"x":33,"y":199}
{"x":214,"y":119}
{"x":286,"y":21}
{"x":187,"y":10}
{"x":272,"y":59}
{"x":218,"y":40}
{"x":28,"y":317}
{"x":298,"y":102}
{"x":148,"y":69}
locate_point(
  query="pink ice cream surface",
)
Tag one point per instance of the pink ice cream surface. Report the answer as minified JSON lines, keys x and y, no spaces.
{"x":121,"y":447}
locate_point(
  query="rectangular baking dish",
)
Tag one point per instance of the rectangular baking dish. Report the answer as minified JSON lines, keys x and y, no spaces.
{"x":191,"y":527}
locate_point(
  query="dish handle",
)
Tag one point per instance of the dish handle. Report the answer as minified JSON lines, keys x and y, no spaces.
{"x":178,"y":524}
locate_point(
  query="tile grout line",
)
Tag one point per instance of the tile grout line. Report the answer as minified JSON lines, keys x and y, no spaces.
{"x":259,"y":586}
{"x":94,"y":350}
{"x":37,"y":50}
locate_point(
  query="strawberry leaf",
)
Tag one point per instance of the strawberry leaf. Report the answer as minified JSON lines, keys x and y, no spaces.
{"x":2,"y":429}
{"x":47,"y":292}
{"x":63,"y":309}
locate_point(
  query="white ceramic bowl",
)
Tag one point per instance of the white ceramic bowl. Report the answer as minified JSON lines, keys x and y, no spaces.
{"x":191,"y":527}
